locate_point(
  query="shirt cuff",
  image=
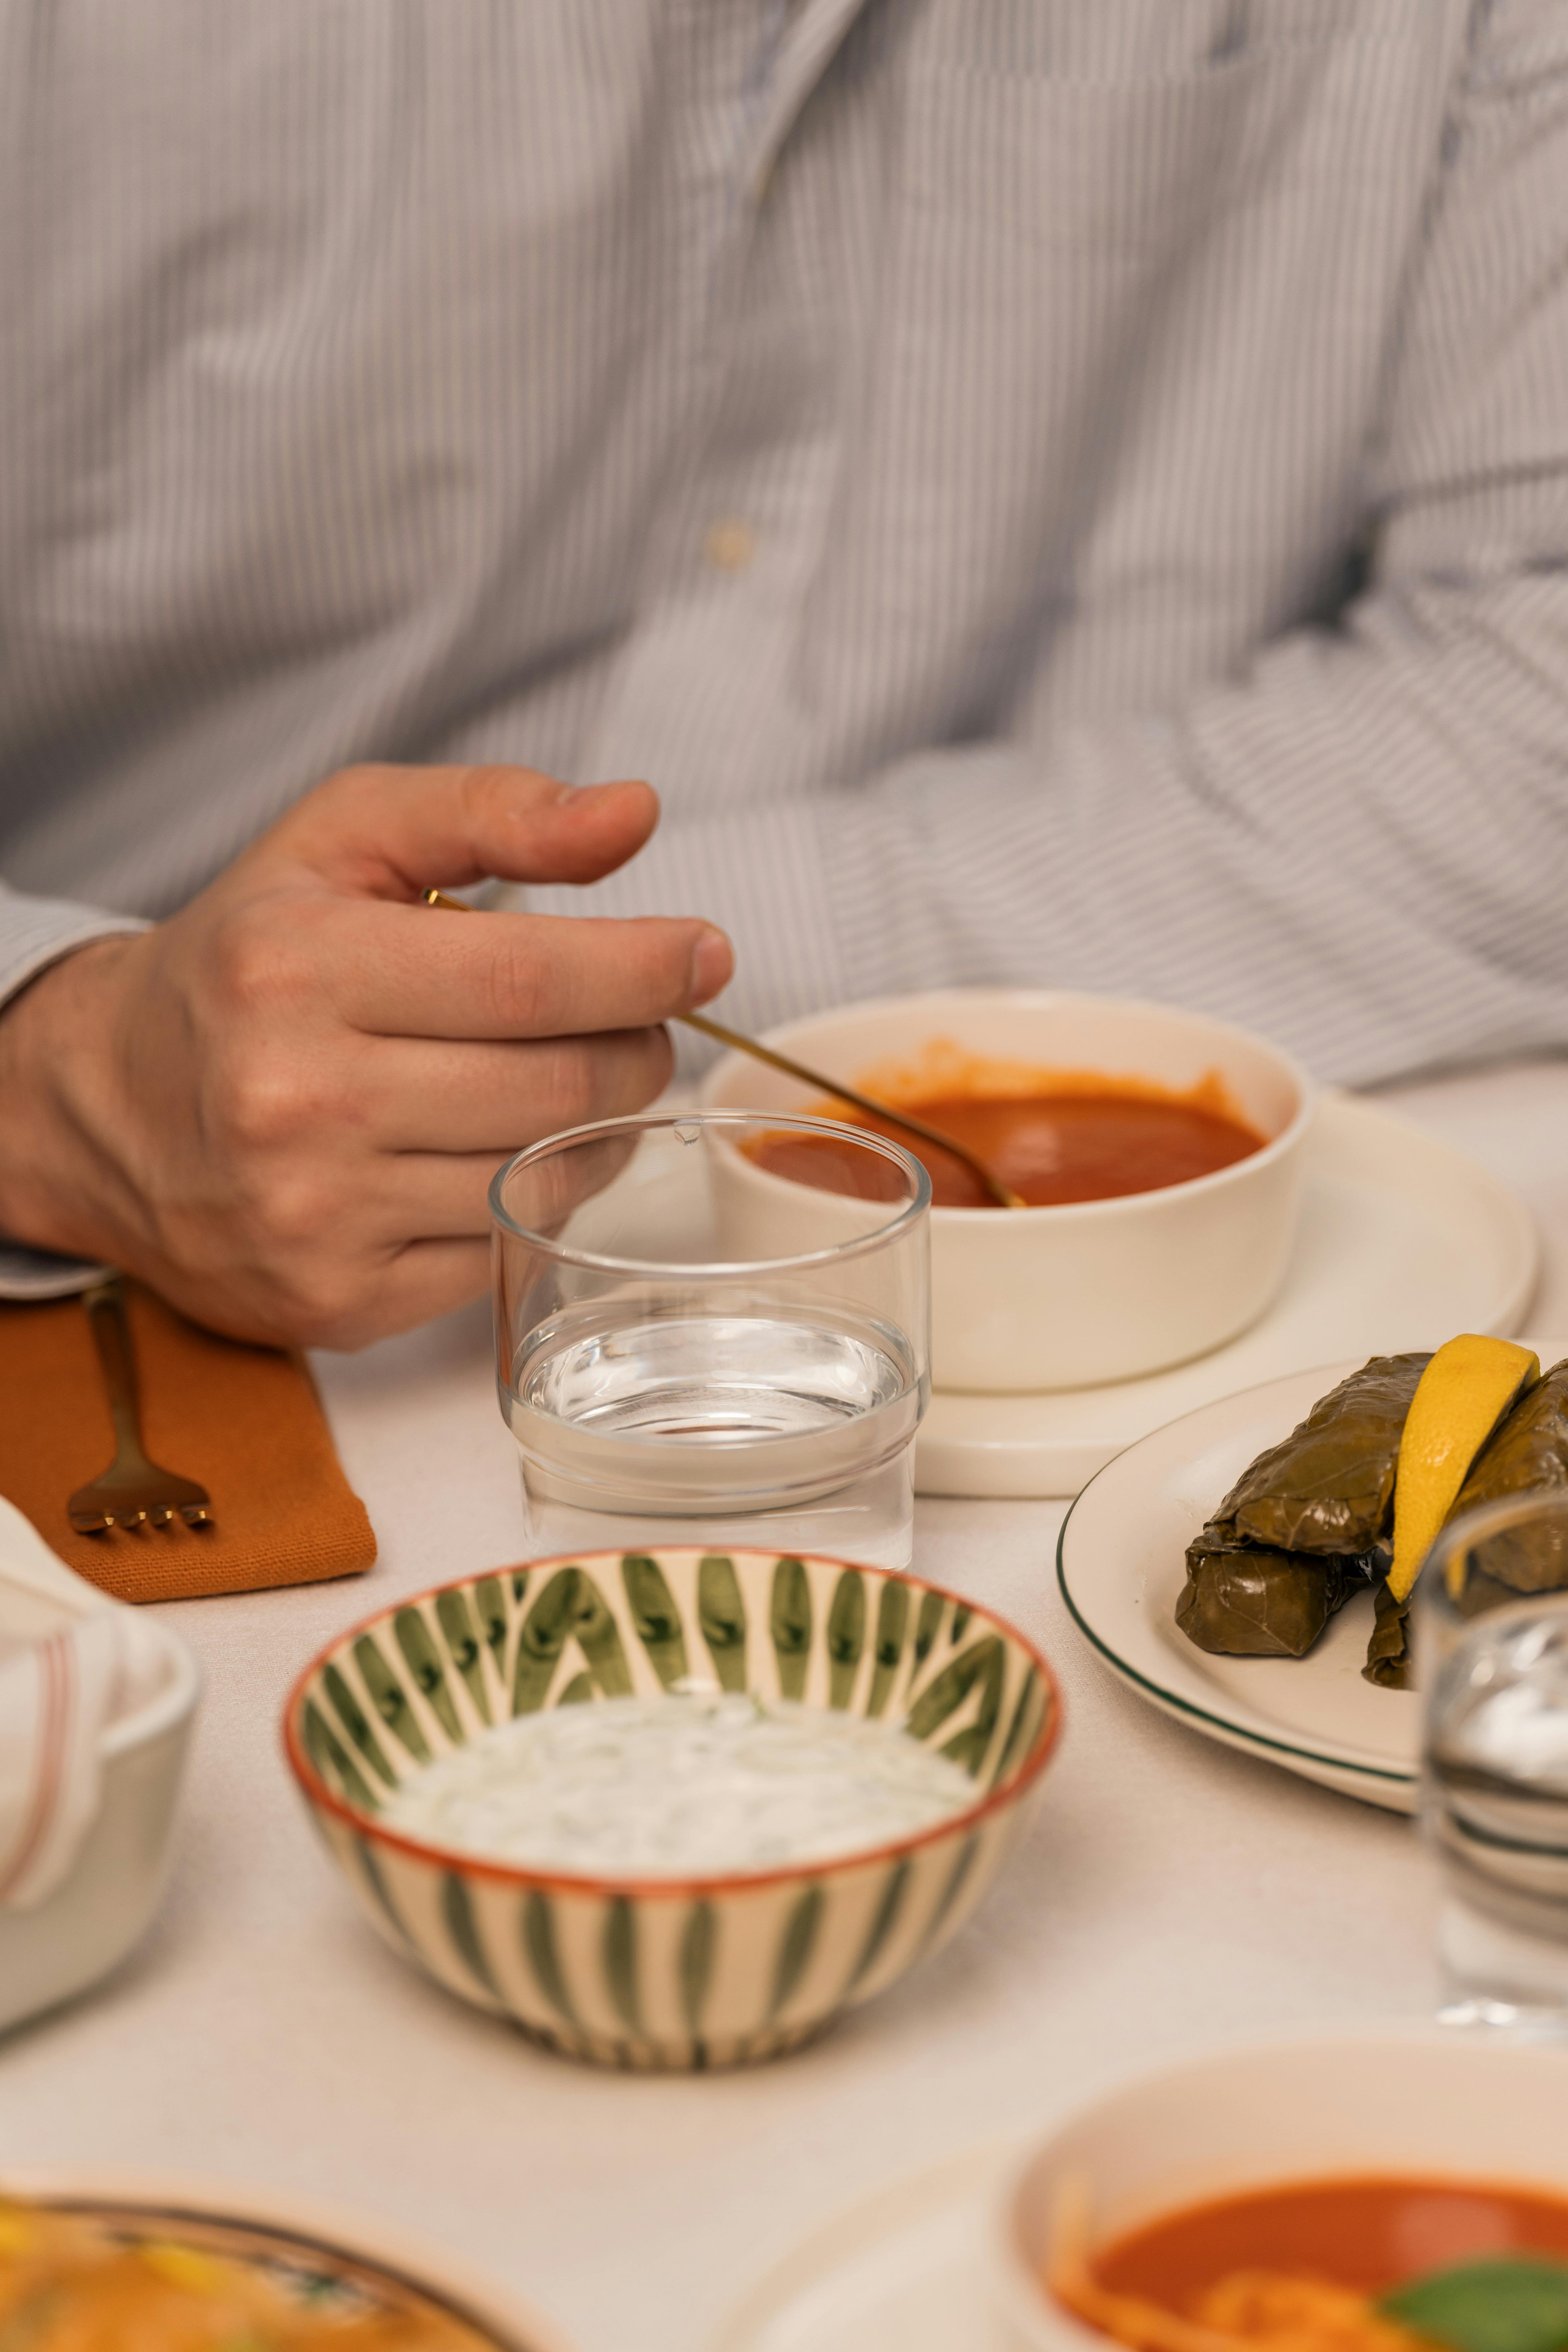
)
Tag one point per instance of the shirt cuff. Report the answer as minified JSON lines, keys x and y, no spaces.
{"x":36,"y":933}
{"x":30,"y":1276}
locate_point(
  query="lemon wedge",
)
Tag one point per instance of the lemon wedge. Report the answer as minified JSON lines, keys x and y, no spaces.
{"x":1459,"y":1400}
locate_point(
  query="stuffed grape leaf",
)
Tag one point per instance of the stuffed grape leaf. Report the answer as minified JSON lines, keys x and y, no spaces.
{"x":1328,"y":1486}
{"x":1245,"y":1601}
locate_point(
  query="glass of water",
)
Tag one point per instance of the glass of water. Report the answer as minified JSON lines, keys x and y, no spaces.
{"x":1491,"y":1657}
{"x":692,"y":1349}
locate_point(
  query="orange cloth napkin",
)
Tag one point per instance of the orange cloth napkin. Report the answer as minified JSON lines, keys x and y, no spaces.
{"x":246,"y":1422}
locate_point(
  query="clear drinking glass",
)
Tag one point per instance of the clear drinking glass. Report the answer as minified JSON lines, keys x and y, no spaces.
{"x":1491,"y":1657}
{"x":690,"y":1348}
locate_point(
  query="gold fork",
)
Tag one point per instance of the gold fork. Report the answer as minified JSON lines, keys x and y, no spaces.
{"x":132,"y":1490}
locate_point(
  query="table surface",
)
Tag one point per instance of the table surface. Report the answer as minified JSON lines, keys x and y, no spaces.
{"x":1172,"y":1894}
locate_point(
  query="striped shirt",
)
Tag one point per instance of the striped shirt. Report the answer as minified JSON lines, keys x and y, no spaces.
{"x":1064,"y":491}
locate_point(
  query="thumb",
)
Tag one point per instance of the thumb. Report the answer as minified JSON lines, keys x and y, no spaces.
{"x":386,"y":833}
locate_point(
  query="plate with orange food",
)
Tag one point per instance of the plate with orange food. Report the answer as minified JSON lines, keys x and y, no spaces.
{"x":1248,"y":1568}
{"x":1394,"y":2191}
{"x":121,"y":2261}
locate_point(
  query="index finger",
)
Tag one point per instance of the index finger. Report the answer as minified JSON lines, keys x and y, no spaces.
{"x":420,"y":971}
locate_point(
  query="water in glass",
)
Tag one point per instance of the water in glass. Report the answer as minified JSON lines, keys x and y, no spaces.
{"x":1496,"y":1812}
{"x":692,"y":1349}
{"x":738,"y":1428}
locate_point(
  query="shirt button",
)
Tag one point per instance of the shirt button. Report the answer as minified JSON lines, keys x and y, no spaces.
{"x":729,"y":545}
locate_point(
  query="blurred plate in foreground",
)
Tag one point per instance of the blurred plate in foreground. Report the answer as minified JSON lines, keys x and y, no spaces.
{"x":332,"y":2261}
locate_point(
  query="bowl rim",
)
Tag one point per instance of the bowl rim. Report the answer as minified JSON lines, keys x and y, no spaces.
{"x":1013,"y":2278}
{"x":169,"y":1705}
{"x":1041,"y":1750}
{"x":1278,"y":1147}
{"x":896,"y":1228}
{"x":444,"y":2275}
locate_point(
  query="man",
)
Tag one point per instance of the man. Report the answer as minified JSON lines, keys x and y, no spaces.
{"x":1058,"y":490}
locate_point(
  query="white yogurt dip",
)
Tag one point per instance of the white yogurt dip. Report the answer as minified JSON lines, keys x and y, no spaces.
{"x":679,"y":1787}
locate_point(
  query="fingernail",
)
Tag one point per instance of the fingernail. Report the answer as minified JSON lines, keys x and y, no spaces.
{"x":712,"y":964}
{"x":566,"y":794}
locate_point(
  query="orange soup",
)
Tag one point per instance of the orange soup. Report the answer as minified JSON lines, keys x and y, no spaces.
{"x":1371,"y":2234}
{"x":1049,"y":1147}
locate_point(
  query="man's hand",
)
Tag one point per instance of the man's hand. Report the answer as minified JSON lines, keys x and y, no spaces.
{"x":282,"y":1106}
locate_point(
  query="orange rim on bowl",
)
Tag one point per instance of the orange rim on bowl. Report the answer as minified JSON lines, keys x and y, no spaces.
{"x":1042,"y":1748}
{"x":596,"y":1961}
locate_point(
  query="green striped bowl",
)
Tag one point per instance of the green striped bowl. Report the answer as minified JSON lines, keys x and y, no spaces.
{"x":715,"y":1971}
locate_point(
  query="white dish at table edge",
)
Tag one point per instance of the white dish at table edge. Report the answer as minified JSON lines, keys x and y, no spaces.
{"x":912,"y":2267}
{"x":898,"y":2270}
{"x":380,"y":2244}
{"x":1120,"y":1568}
{"x":1403,"y":1242}
{"x":103,"y":1908}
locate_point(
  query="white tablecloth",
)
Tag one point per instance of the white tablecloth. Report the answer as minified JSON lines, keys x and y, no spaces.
{"x":1174,"y":1893}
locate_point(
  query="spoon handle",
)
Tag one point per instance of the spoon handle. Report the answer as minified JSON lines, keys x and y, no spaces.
{"x":1002,"y":1195}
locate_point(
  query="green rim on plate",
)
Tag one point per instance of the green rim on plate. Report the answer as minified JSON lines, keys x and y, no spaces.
{"x":1231,"y":1731}
{"x":1171,"y":1698}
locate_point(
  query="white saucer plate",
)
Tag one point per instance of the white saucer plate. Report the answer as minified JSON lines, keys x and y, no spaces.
{"x":917,"y":2268}
{"x":1120,"y":1564}
{"x":904,"y":2270}
{"x":1402,"y":1242}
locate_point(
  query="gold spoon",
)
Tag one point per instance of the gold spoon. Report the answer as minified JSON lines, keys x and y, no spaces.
{"x":1002,"y":1194}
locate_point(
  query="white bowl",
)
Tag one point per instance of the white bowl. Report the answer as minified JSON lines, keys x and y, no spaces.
{"x":91,"y":1920}
{"x":1422,"y":2102}
{"x":1093,"y":1290}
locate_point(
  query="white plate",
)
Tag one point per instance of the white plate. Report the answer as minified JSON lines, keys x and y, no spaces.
{"x":903,"y":2272}
{"x":1402,"y":1242}
{"x":1120,"y":1564}
{"x":915,"y":2269}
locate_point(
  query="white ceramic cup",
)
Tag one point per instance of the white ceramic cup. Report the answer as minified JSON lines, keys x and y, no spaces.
{"x":101,"y":1910}
{"x":1420,"y":2103}
{"x":1091,"y":1290}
